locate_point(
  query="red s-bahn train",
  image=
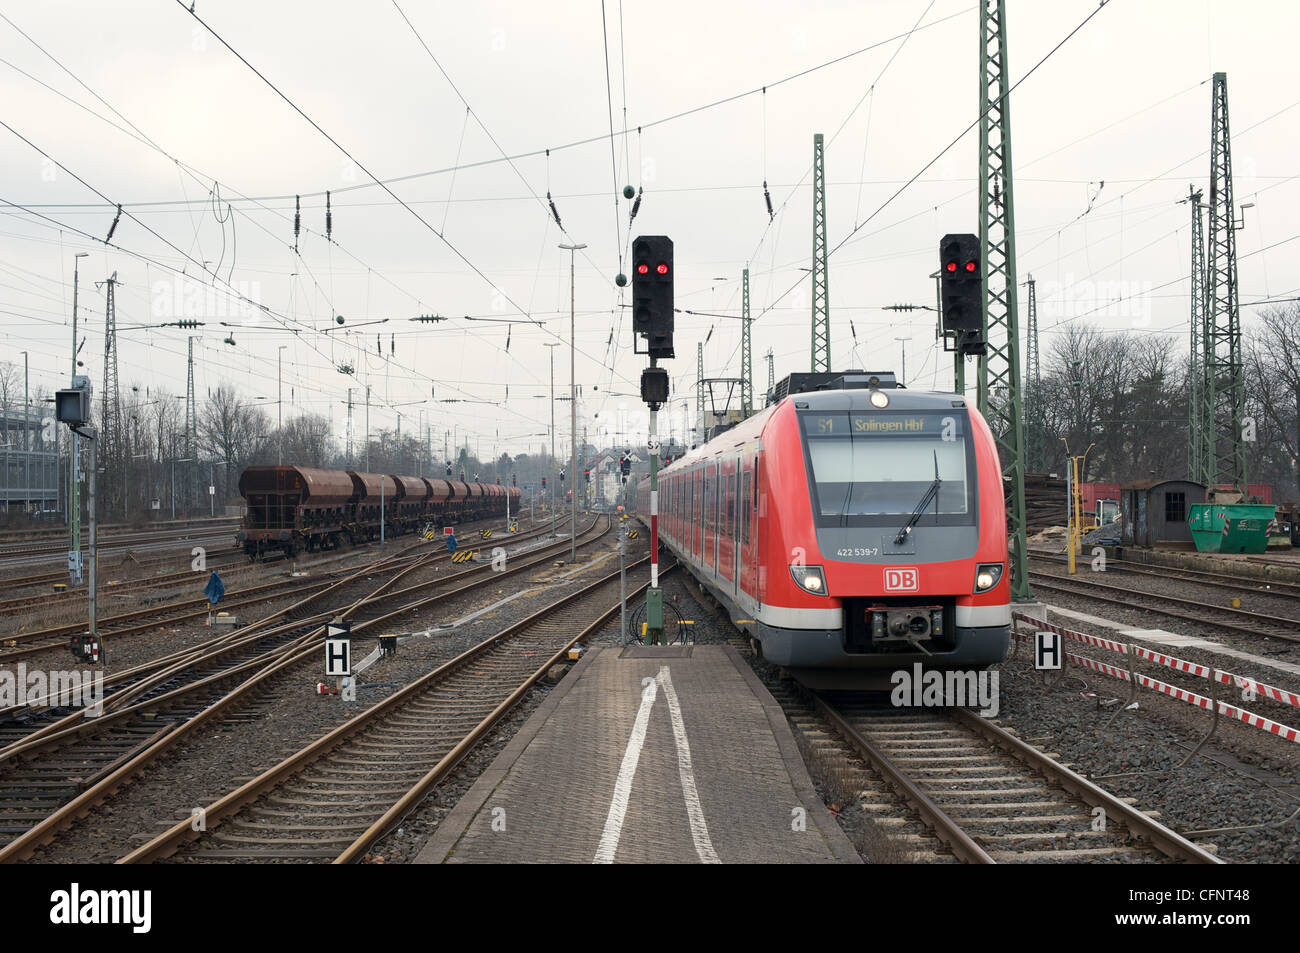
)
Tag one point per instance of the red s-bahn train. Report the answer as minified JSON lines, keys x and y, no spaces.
{"x":295,"y":509}
{"x":849,"y":531}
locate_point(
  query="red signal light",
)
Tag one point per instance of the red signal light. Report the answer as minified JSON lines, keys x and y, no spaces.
{"x":661,"y":268}
{"x":970,"y":266}
{"x":643,"y":269}
{"x":951,"y":266}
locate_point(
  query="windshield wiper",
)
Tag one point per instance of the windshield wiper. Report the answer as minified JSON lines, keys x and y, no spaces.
{"x":931,"y":493}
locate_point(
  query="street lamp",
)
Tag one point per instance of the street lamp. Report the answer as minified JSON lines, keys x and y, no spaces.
{"x":551,"y":347}
{"x":573,"y":406}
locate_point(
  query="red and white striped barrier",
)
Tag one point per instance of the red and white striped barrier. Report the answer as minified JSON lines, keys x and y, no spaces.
{"x":1190,"y":668}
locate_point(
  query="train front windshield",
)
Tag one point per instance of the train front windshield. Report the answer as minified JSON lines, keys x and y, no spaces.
{"x":869,"y":468}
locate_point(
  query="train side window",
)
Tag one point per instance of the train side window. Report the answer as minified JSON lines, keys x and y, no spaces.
{"x":744,"y":506}
{"x":731,"y":506}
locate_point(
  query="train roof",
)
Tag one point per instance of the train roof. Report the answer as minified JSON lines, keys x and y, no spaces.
{"x":849,"y":400}
{"x":859,"y":399}
{"x":320,"y":486}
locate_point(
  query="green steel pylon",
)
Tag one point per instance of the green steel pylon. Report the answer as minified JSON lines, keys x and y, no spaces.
{"x":821,"y":293}
{"x":1034,"y":462}
{"x":1225,"y":391}
{"x":746,"y":352}
{"x":699,"y":392}
{"x":1196,"y":422}
{"x":999,"y":395}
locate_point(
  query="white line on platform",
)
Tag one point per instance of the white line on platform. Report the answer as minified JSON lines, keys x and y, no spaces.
{"x":694,"y":810}
{"x":627,"y":771}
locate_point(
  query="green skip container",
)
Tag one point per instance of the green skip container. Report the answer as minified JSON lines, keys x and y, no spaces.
{"x":1247,"y":526}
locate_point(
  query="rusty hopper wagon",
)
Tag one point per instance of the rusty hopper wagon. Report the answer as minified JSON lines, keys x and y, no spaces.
{"x":303,"y":509}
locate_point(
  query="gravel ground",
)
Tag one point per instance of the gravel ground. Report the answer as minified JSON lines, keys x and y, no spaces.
{"x":1242,"y":778}
{"x":290,"y":715}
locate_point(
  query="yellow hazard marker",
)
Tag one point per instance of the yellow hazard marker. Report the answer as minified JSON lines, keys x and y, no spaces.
{"x":485,"y":534}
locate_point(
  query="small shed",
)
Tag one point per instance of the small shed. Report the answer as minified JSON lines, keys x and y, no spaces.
{"x":1154,"y":512}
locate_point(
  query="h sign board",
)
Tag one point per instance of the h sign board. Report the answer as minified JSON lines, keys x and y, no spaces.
{"x":1047,"y":651}
{"x":338,"y":649}
{"x":902,"y":580}
{"x":338,"y":657}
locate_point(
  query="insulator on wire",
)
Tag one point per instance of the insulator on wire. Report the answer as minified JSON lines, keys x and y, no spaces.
{"x":329,"y":219}
{"x":379,"y":345}
{"x":553,"y":211}
{"x":112,"y":228}
{"x":297,"y":220}
{"x":636,"y":206}
{"x":509,"y":330}
{"x":767,"y":197}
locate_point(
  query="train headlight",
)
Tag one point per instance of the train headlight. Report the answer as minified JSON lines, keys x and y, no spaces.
{"x":987,"y":576}
{"x":879,"y":399}
{"x":809,"y":579}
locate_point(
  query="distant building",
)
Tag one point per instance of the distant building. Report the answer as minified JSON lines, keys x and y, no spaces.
{"x":29,"y":467}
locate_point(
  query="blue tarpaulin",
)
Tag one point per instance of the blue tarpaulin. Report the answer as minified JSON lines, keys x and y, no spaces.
{"x":451,"y":545}
{"x":215,"y":588}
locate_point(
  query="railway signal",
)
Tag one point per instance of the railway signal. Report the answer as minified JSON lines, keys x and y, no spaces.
{"x":961,"y":291}
{"x":652,"y":293}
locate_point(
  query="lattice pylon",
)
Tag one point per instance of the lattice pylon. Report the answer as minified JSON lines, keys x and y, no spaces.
{"x":1225,"y":391}
{"x":1196,"y":422}
{"x":999,"y":393}
{"x":746,"y":351}
{"x":821,"y":294}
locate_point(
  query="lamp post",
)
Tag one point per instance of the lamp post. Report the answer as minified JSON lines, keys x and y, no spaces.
{"x":573,"y":405}
{"x":552,"y":347}
{"x":27,"y":439}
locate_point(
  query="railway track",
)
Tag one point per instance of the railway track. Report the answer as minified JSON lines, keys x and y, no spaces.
{"x":24,"y":645}
{"x":60,"y":771}
{"x":18,"y":603}
{"x":42,"y":548}
{"x":1228,"y":581}
{"x":1257,"y":624}
{"x":988,"y":797}
{"x":332,"y":800}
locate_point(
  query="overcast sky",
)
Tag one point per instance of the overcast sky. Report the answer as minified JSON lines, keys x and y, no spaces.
{"x":169,"y":117}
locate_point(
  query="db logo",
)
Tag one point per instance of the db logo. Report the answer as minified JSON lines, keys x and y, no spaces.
{"x":902,"y":580}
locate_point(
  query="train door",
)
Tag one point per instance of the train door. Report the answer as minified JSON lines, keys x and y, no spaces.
{"x":744,"y":551}
{"x":727,"y":531}
{"x":715,"y":515}
{"x":697,"y":507}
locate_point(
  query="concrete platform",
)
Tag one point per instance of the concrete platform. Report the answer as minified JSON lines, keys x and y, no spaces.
{"x":647,"y":755}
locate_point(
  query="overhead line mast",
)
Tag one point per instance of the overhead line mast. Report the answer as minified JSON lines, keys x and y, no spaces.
{"x":746,"y":351}
{"x":999,"y":394}
{"x":821,"y":295}
{"x":1225,"y":389}
{"x":1197,"y":426}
